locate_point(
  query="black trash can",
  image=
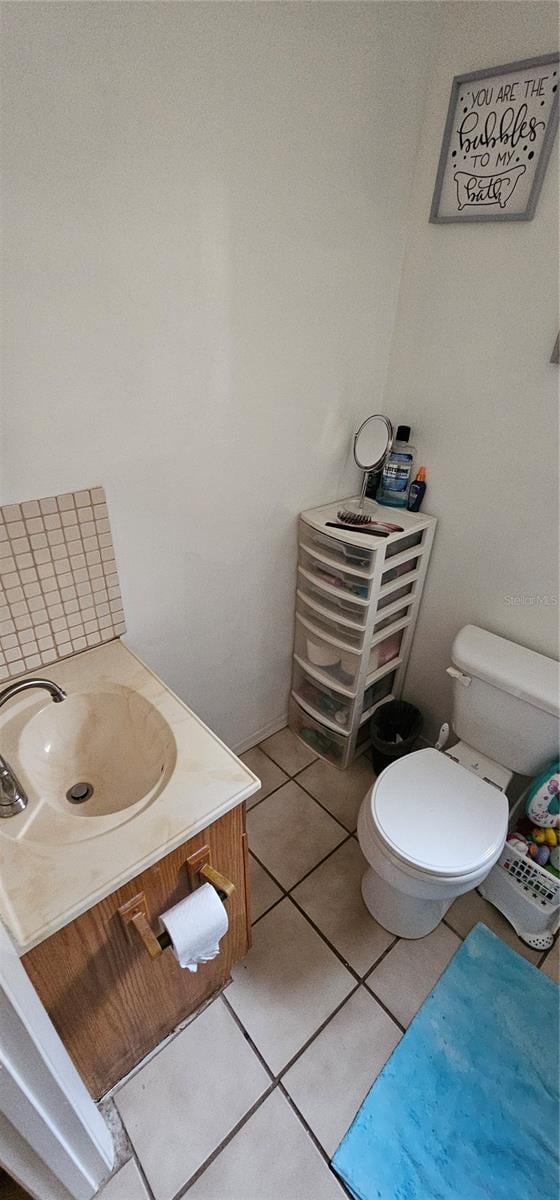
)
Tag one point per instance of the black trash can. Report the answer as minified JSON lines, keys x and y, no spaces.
{"x":394,"y":728}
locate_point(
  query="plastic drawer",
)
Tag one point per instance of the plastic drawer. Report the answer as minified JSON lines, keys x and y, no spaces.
{"x":380,"y":690}
{"x":395,"y":594}
{"x":335,"y":747}
{"x":334,"y":577}
{"x":315,"y":614}
{"x":325,"y":703}
{"x":385,"y":650}
{"x":404,"y":543}
{"x":339,"y":606}
{"x":363,"y":739}
{"x":325,"y":657}
{"x":356,"y":558}
{"x":391,"y":618}
{"x":400,"y":569}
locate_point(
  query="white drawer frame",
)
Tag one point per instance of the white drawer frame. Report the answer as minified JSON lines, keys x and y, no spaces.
{"x":413,"y":523}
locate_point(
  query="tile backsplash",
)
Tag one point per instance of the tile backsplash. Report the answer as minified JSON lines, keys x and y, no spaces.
{"x":59,"y":587}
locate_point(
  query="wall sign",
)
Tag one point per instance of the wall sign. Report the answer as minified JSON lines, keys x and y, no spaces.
{"x":497,"y":141}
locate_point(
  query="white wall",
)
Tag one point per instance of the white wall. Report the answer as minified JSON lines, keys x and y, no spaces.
{"x":205,"y":208}
{"x":477,"y":319}
{"x":53,"y":1140}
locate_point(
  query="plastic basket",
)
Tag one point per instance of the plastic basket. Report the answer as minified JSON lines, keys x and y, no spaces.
{"x":528,"y":895}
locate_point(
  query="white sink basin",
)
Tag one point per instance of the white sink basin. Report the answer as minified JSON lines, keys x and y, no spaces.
{"x":111,"y":750}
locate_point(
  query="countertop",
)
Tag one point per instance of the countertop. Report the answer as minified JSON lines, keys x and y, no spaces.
{"x":45,"y":886}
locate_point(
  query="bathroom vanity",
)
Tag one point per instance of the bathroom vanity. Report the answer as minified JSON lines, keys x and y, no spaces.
{"x":109,"y":1000}
{"x":83,"y":885}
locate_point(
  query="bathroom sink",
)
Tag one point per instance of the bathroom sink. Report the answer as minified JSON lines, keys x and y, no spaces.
{"x":159,"y":778}
{"x":88,"y":763}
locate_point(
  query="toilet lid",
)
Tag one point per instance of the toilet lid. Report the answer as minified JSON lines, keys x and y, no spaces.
{"x":437,"y":815}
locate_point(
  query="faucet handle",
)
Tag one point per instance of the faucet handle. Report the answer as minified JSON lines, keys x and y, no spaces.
{"x":13,"y":799}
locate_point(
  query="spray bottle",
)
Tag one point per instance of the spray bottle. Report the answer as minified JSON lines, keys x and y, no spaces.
{"x":416,"y":491}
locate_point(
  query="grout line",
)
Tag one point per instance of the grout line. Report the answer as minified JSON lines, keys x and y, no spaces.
{"x":276,"y":884}
{"x":283,"y":1070}
{"x":278,"y":1078}
{"x":260,"y":746}
{"x":320,"y":863}
{"x":266,"y":870}
{"x":550,"y":950}
{"x":222,"y":1145}
{"x":294,"y":779}
{"x":151,"y":1054}
{"x":313,"y":1138}
{"x":267,"y":910}
{"x":318,"y":758}
{"x":327,"y":810}
{"x":269,"y":873}
{"x":316,"y":1032}
{"x":266,"y":797}
{"x":445,"y":922}
{"x":394,"y":1019}
{"x":383,"y":955}
{"x":141,"y":1173}
{"x":289,"y":895}
{"x":275,"y":1082}
{"x":249,"y":1039}
{"x":325,"y":939}
{"x":359,"y":979}
{"x":287,"y":891}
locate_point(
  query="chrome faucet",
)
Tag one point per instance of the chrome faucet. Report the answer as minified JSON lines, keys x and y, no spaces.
{"x":13,"y":798}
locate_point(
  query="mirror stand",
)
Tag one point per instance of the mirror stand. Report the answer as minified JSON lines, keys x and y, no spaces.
{"x":372,"y":443}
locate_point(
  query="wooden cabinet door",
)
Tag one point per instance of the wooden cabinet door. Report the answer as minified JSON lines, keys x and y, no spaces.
{"x":109,"y":1001}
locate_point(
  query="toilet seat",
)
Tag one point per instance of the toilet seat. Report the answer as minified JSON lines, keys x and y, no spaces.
{"x":436,"y":818}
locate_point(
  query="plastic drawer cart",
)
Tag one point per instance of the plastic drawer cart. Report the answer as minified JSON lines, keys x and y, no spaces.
{"x":357,"y":604}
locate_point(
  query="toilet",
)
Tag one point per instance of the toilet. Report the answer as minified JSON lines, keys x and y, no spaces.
{"x":433,"y":824}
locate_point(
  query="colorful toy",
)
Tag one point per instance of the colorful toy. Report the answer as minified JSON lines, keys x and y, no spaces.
{"x":518,"y":842}
{"x":543,"y":800}
{"x":540,"y":854}
{"x":545,"y":837}
{"x":542,"y":846}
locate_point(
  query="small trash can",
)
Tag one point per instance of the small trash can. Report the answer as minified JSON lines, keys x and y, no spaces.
{"x":394,"y":728}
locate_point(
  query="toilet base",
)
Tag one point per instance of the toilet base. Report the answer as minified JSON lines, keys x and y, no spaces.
{"x":401,"y":914}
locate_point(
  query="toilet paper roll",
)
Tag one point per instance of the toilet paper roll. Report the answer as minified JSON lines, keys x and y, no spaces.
{"x":195,"y":926}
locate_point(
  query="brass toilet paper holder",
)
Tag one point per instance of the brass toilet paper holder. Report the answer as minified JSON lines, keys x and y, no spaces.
{"x":134,"y":913}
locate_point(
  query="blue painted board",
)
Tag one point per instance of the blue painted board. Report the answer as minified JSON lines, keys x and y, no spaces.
{"x":467,"y":1106}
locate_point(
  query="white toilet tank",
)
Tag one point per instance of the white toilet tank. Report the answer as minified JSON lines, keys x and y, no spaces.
{"x":505,"y":700}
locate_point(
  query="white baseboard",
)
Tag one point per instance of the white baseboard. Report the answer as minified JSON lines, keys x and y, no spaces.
{"x":260,"y":734}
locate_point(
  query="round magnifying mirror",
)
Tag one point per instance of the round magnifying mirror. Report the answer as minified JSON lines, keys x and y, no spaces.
{"x":372,"y":444}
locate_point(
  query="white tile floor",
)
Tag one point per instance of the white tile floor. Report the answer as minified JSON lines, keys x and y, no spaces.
{"x":251,"y":1099}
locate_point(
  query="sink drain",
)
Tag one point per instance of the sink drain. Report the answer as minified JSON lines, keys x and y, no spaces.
{"x":79,"y":792}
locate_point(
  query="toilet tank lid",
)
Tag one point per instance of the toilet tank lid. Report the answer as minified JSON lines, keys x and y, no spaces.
{"x":506,"y":665}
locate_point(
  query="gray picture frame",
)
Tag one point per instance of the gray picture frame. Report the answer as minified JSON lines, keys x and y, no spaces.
{"x":539,"y":172}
